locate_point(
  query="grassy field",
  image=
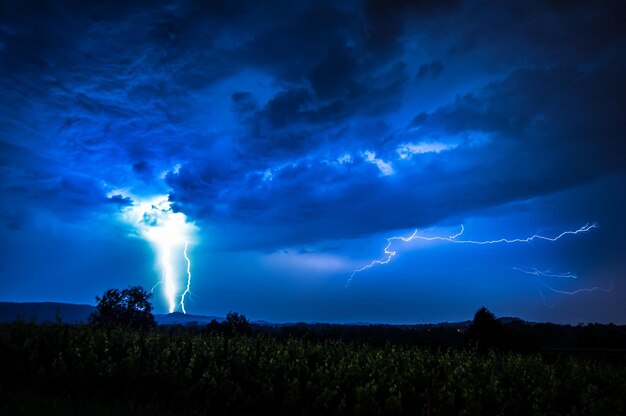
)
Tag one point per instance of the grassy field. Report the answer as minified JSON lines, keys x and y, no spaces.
{"x":58,"y":369}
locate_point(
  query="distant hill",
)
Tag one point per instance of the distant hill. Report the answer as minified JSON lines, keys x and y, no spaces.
{"x":41,"y":312}
{"x":178,"y":318}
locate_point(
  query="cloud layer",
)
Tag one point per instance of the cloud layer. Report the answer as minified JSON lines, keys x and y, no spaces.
{"x":277,"y":125}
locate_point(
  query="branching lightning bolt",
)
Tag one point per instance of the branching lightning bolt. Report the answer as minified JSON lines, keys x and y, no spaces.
{"x":575,"y":292}
{"x":182,"y":297}
{"x":545,"y":273}
{"x":568,"y":275}
{"x":389,"y":254}
{"x":157,"y":284}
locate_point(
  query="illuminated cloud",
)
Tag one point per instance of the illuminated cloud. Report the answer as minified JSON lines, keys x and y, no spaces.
{"x":345,"y":158}
{"x":385,"y":168}
{"x":407,"y":150}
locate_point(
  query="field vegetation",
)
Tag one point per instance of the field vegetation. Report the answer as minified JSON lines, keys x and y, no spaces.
{"x":63,"y":369}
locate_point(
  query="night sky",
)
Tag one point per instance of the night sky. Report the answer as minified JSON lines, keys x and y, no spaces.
{"x":284,"y":141}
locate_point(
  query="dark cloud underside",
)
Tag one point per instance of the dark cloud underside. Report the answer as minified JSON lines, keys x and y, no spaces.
{"x":268,"y":110}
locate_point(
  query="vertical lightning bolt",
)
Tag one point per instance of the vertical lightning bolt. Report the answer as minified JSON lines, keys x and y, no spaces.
{"x":389,"y":254}
{"x":167,"y":232}
{"x":186,"y":292}
{"x":168,"y":278}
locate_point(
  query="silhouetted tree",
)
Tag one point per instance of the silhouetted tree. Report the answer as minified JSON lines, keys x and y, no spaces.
{"x":236,"y":324}
{"x":486,"y":331}
{"x":214,"y":326}
{"x":129,"y":308}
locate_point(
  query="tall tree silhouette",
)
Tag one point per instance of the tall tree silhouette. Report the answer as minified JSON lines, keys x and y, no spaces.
{"x":486,"y":331}
{"x":128,"y":308}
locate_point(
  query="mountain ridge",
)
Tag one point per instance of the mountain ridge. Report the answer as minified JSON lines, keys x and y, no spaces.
{"x":72,"y":313}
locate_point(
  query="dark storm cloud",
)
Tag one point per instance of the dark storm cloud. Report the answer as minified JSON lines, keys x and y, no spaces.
{"x":243,"y":101}
{"x":121,"y":200}
{"x":270,"y":108}
{"x":32,"y":184}
{"x":144,"y":171}
{"x":551,"y":128}
{"x":545,"y":129}
{"x":429,"y":70}
{"x":388,"y":21}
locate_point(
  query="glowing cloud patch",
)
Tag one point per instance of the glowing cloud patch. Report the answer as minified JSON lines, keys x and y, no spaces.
{"x":169,"y":233}
{"x":306,"y":261}
{"x":407,"y":150}
{"x":385,"y":168}
{"x":346,"y":158}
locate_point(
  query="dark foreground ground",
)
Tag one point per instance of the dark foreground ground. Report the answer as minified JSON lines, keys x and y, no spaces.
{"x":79,"y":370}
